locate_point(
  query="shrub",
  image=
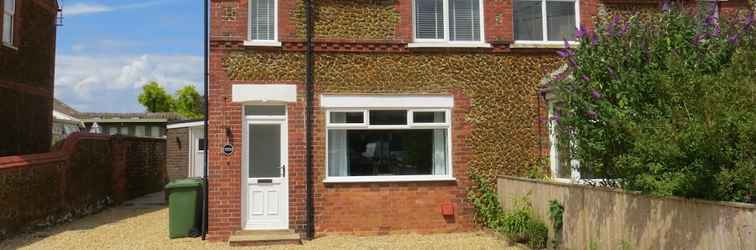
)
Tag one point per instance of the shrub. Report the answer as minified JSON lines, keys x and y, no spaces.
{"x":519,"y":225}
{"x":485,"y":199}
{"x":664,"y":106}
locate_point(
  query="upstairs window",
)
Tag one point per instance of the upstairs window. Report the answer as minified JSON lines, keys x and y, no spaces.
{"x":262,"y":20}
{"x":545,"y":20}
{"x":448,"y":20}
{"x":9,"y":12}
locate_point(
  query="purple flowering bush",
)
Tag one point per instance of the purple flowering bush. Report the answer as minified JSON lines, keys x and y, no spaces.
{"x":664,"y":106}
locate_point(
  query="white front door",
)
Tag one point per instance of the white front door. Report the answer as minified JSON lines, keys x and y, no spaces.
{"x":267,"y":194}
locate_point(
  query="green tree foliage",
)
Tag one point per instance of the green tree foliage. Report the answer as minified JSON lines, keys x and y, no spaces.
{"x":664,"y":106}
{"x":188,"y":102}
{"x":155,"y":98}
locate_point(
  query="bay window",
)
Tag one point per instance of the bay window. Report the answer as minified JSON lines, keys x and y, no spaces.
{"x":545,"y":20}
{"x":448,"y":21}
{"x":388,"y":144}
{"x":9,"y":13}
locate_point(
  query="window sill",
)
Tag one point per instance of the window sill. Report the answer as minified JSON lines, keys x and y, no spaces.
{"x":448,"y":45}
{"x":262,"y":43}
{"x":9,"y":46}
{"x":406,"y":178}
{"x":539,"y":45}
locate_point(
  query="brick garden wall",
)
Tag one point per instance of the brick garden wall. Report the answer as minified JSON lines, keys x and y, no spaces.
{"x":83,"y":175}
{"x":26,"y":80}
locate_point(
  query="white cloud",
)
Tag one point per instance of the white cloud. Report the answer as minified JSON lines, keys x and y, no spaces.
{"x":105,"y":82}
{"x":85,"y":8}
{"x":77,"y":9}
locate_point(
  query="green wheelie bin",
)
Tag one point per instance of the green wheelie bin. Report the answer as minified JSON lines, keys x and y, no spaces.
{"x":183,"y":207}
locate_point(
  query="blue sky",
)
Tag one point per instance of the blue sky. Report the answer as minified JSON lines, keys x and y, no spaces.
{"x":108,"y":49}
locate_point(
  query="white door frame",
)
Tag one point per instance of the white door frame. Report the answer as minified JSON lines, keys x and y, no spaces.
{"x":284,"y":180}
{"x":194,"y":152}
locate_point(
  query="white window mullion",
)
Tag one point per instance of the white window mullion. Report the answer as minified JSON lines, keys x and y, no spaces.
{"x":544,"y":20}
{"x":445,"y":14}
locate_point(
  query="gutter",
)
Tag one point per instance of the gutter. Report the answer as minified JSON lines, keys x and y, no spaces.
{"x":207,"y":111}
{"x":309,"y":85}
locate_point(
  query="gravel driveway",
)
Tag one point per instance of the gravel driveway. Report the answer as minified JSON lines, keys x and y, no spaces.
{"x":143,"y":224}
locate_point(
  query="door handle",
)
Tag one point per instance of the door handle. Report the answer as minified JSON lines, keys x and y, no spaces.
{"x":283,"y":170}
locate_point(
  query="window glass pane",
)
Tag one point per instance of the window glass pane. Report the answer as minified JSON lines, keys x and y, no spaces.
{"x":429,"y":19}
{"x":561,"y":20}
{"x":388,"y":117}
{"x":387,"y":152}
{"x":9,"y":6}
{"x":347,"y":117}
{"x":464,"y":20}
{"x":264,"y":150}
{"x":139,"y":131}
{"x":262,"y":19}
{"x":201,"y":144}
{"x":528,"y":20}
{"x":429,"y":117}
{"x":265,"y":110}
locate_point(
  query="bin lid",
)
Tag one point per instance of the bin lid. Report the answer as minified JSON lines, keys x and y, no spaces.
{"x":184,"y":183}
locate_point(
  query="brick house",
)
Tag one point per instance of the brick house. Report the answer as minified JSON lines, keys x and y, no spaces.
{"x":408,"y":97}
{"x":27,"y":59}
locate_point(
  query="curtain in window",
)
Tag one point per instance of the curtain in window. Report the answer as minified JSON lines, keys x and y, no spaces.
{"x":560,"y":20}
{"x":9,"y":9}
{"x":429,"y":19}
{"x":464,"y":20}
{"x":337,"y":153}
{"x":439,"y":152}
{"x":262,"y":19}
{"x":528,"y":20}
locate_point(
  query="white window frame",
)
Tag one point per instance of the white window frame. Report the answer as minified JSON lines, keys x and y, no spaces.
{"x":12,"y":13}
{"x":263,"y":43}
{"x":554,"y":156}
{"x":544,"y":24}
{"x":449,"y":176}
{"x":446,"y":42}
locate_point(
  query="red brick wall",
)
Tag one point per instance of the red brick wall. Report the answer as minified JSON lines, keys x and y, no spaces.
{"x":26,"y":80}
{"x":224,"y":176}
{"x":84,"y":175}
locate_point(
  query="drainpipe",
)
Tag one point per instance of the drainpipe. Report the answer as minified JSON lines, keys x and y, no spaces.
{"x":309,"y":84}
{"x":205,"y":104}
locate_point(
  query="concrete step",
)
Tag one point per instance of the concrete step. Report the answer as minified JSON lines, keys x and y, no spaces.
{"x":264,"y":238}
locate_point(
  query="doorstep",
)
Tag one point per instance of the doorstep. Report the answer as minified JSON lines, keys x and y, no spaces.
{"x":264,"y":238}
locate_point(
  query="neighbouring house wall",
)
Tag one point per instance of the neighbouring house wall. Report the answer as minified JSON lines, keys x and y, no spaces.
{"x":85,"y":174}
{"x":26,"y":80}
{"x":178,"y":145}
{"x":611,"y":218}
